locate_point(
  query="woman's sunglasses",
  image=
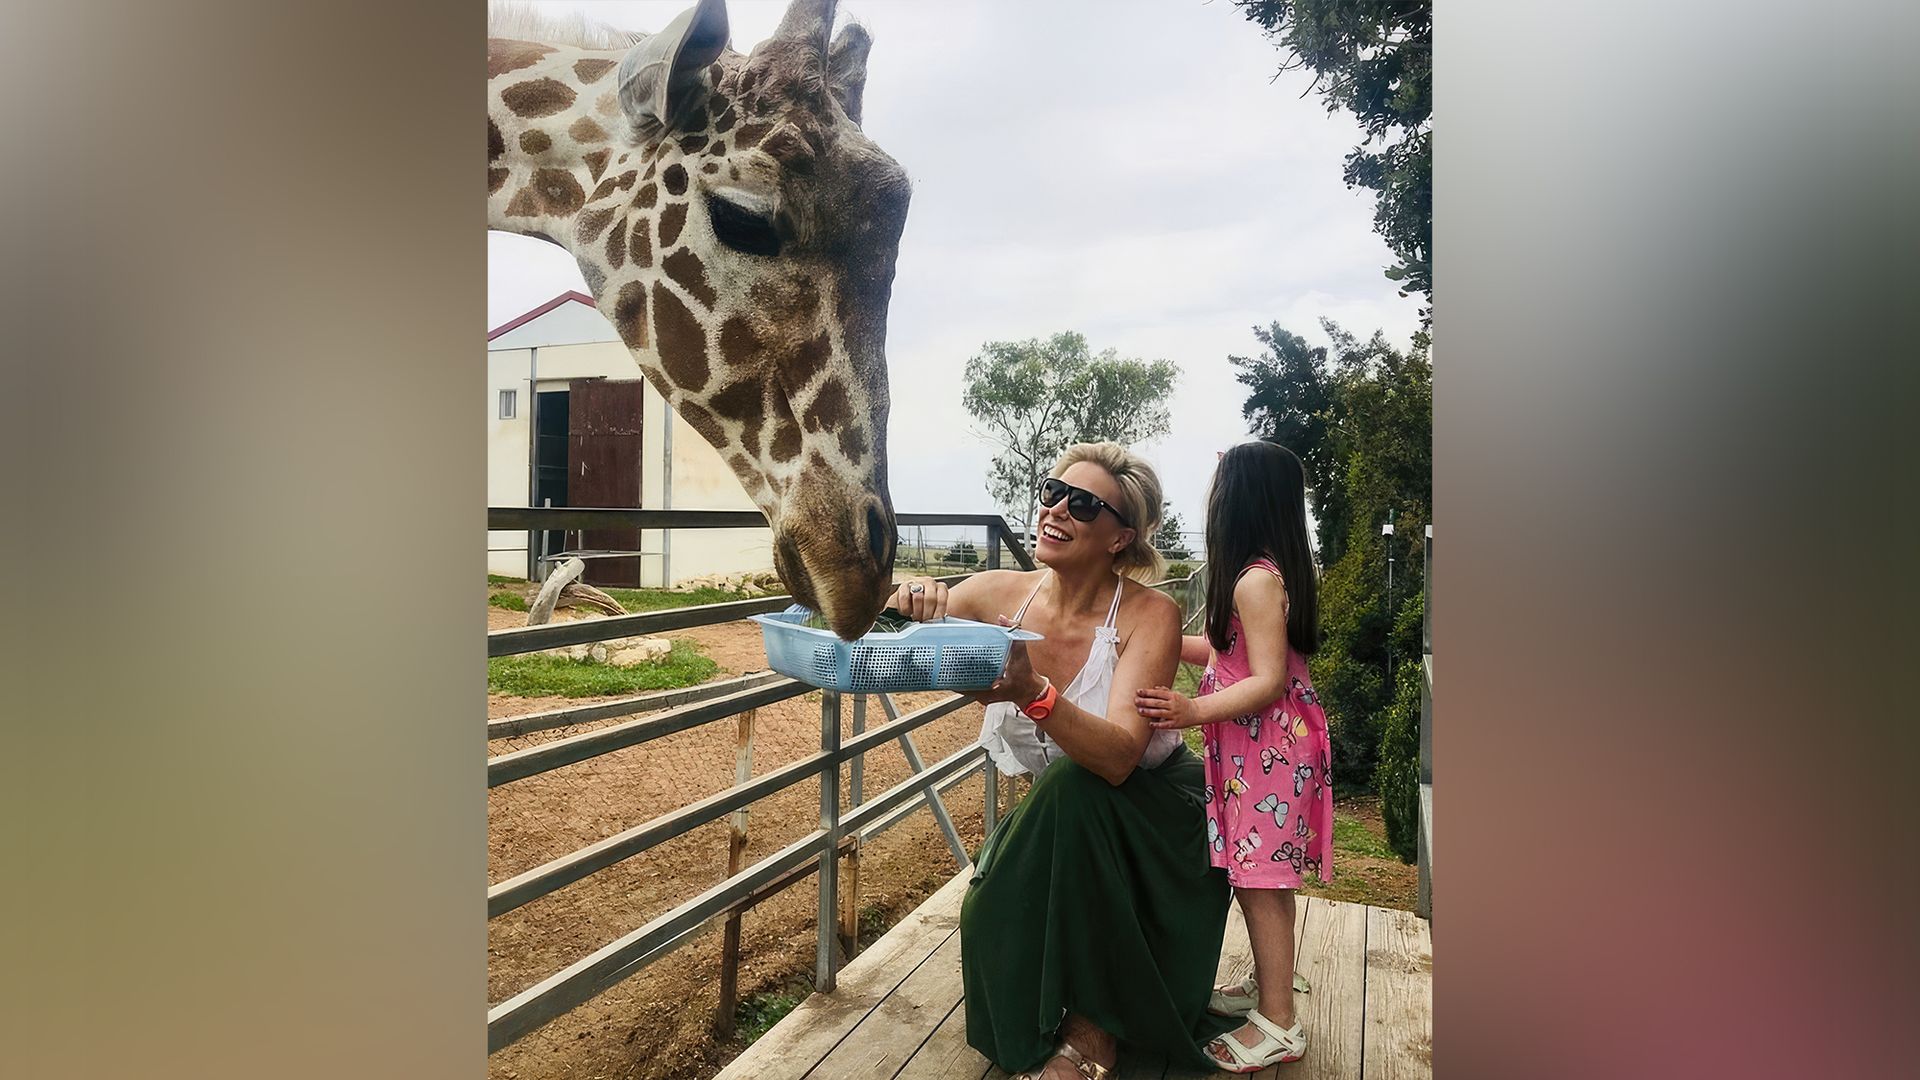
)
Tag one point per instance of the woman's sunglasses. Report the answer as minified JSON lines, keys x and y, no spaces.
{"x":1084,"y":505}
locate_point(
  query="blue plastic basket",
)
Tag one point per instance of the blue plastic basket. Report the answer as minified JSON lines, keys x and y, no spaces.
{"x":950,"y":654}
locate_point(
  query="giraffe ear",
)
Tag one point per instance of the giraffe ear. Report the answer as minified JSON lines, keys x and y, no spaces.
{"x":847,"y":68}
{"x":663,"y":75}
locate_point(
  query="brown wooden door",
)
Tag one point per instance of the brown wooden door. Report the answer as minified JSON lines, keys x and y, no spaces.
{"x":603,"y":459}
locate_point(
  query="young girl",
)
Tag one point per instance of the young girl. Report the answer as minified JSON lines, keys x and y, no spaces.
{"x":1269,"y":803}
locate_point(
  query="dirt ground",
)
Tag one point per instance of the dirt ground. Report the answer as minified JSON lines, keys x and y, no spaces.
{"x":657,"y":1025}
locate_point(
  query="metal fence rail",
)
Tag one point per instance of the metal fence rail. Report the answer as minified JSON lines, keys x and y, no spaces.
{"x":818,"y":852}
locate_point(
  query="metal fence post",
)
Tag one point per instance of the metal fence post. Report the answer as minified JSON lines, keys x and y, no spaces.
{"x":990,"y":816}
{"x":736,"y":857}
{"x":824,"y":968}
{"x":993,"y":547}
{"x":850,"y":886}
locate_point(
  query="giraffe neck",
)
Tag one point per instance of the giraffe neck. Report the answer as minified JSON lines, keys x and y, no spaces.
{"x":554,"y":133}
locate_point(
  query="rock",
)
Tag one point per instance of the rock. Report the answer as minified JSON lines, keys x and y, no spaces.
{"x":648,"y":651}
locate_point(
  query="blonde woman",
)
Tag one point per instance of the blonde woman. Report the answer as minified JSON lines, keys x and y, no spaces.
{"x":1094,"y":915}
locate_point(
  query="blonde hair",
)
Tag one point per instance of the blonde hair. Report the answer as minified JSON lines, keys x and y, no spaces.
{"x":1139,"y":500}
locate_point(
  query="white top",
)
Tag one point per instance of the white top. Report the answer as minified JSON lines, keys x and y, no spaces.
{"x":1017,"y":745}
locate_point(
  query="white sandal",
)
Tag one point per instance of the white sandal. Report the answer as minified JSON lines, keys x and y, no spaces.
{"x":1242,"y":997}
{"x":1277,"y":1046}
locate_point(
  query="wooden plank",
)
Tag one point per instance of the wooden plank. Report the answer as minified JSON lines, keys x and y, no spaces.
{"x":1332,"y":955}
{"x":811,"y":1031}
{"x":1399,"y":997}
{"x":946,"y":1055}
{"x":887,"y":1038}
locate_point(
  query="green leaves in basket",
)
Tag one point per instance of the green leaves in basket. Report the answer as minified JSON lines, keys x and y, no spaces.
{"x":890,"y":622}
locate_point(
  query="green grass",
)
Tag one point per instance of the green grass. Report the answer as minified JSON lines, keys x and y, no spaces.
{"x":502,"y":579}
{"x":1353,"y":838}
{"x":759,"y":1013}
{"x":507,"y":600}
{"x":638,"y":600}
{"x":536,"y":675}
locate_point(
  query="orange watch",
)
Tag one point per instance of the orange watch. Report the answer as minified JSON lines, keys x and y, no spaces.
{"x":1042,"y":707}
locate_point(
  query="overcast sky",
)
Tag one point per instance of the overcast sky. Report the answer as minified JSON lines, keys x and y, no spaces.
{"x":1123,"y":168}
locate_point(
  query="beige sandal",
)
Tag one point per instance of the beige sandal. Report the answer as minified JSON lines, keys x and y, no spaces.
{"x":1277,"y":1046}
{"x":1243,"y":996}
{"x":1085,"y":1066}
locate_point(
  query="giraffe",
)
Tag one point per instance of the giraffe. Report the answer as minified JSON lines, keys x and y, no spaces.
{"x":740,"y":231}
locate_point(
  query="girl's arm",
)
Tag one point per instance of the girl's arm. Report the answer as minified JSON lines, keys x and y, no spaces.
{"x":1196,"y":649}
{"x":1109,"y":746}
{"x":1261,"y":599}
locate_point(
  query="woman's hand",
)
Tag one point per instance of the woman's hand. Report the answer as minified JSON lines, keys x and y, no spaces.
{"x":1019,"y":683}
{"x":921,"y":599}
{"x":1165,"y":709}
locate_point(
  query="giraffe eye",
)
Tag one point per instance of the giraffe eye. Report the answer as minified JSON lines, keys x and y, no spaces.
{"x":742,"y":229}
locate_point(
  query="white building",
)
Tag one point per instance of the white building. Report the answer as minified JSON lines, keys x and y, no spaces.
{"x":605,"y":438}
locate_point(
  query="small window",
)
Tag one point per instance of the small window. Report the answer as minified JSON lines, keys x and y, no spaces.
{"x":509,"y":404}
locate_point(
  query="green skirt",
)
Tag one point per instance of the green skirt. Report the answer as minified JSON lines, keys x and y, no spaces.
{"x":1096,"y":900}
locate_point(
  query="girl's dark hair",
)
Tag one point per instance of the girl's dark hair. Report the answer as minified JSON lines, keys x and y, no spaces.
{"x":1258,"y":506}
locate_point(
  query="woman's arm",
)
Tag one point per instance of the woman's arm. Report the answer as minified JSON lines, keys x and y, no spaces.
{"x":1196,"y":649}
{"x":1109,"y":746}
{"x":1261,"y":599}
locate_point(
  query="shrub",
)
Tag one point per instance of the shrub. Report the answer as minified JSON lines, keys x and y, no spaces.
{"x":1179,"y":569}
{"x":507,"y":600}
{"x":1397,"y":775}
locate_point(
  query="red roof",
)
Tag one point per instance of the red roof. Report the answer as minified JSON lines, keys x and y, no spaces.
{"x":578,"y":297}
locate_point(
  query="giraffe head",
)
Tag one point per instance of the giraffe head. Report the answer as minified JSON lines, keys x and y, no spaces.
{"x":741,"y":233}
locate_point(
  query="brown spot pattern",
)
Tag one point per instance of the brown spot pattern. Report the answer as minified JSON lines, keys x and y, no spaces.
{"x":786,"y":443}
{"x":739,"y":345}
{"x":710,"y":168}
{"x":649,"y":194}
{"x":630,"y":314}
{"x":606,"y":188}
{"x":693,"y":144}
{"x":535,"y":142}
{"x":640,"y":250}
{"x":586,"y":131}
{"x":596,"y":163}
{"x":671,"y":219}
{"x":617,"y":248}
{"x":495,"y":177}
{"x":537,"y":97}
{"x":592,"y":223}
{"x":717,"y":104}
{"x":683,"y":345}
{"x":590,"y":70}
{"x":675,"y":179}
{"x":702,"y":421}
{"x":685,"y":267}
{"x":749,"y":134}
{"x":625,"y":183}
{"x":495,"y":144}
{"x":742,"y":402}
{"x":853,"y":442}
{"x":725,"y":121}
{"x":830,"y":407}
{"x":504,"y":55}
{"x":560,"y":194}
{"x":523,"y":204}
{"x":807,"y":360}
{"x":718,"y":148}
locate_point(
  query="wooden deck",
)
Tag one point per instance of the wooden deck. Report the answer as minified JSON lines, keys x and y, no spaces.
{"x":898,"y":1014}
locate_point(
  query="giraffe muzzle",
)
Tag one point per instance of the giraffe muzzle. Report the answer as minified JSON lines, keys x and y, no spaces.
{"x":839,"y":562}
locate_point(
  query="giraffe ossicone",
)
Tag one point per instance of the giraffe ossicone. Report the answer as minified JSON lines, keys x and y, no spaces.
{"x":739,"y":230}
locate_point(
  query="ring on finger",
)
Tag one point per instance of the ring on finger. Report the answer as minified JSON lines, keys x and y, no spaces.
{"x":916,"y":587}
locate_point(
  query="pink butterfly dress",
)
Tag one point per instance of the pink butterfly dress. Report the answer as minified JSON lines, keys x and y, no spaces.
{"x":1269,"y":795}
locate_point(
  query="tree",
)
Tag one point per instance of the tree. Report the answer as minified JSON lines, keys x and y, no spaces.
{"x":1360,"y":417}
{"x":1168,"y":540}
{"x":1374,"y":58}
{"x":963,"y":553}
{"x":1035,"y":398}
